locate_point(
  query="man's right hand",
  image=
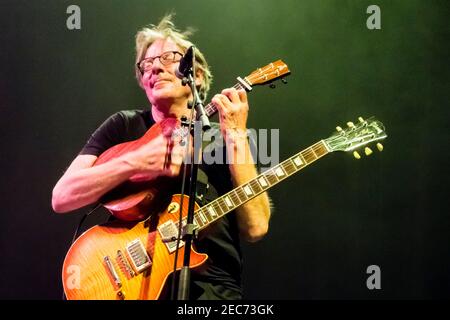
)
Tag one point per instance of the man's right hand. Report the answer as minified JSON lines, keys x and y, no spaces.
{"x":162,"y":156}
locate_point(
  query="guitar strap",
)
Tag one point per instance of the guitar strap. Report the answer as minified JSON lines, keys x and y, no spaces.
{"x":205,"y":191}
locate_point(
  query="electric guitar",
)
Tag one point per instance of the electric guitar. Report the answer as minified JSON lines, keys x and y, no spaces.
{"x":132,"y":260}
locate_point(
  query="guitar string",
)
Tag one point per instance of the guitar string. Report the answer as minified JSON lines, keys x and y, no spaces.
{"x":212,"y":108}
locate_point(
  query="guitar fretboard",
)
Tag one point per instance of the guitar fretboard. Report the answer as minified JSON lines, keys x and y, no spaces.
{"x":211,"y":109}
{"x":240,"y":195}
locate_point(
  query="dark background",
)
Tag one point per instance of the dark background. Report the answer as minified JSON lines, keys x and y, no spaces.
{"x":332,"y":220}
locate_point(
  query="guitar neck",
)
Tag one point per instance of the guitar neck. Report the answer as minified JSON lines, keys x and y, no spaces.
{"x":228,"y":202}
{"x":211,"y":109}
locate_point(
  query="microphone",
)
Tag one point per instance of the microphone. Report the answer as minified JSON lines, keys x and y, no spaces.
{"x":185,"y":64}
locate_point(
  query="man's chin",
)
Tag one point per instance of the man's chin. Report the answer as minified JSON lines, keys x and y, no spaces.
{"x":159,"y":93}
{"x":159,"y":97}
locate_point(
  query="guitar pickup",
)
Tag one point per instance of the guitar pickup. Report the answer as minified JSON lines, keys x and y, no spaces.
{"x":138,"y":256}
{"x":169,"y":233}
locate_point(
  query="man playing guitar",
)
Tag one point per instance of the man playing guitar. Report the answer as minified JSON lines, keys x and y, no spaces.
{"x":159,"y":50}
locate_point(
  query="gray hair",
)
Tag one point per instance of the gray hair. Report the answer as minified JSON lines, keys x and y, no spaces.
{"x":164,"y":30}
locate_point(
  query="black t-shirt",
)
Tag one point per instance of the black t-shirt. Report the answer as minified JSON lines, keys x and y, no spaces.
{"x":221,"y":278}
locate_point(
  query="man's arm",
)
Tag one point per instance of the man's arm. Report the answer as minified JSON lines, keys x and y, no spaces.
{"x":83,"y":183}
{"x":253,"y":217}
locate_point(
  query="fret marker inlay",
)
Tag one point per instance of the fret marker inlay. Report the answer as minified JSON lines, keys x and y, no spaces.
{"x":279,"y":172}
{"x":228,"y":202}
{"x":263,"y":182}
{"x":202,"y":217}
{"x":212,"y":211}
{"x":247,"y":190}
{"x":298,"y":162}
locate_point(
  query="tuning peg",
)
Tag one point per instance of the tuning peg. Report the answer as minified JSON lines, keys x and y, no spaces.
{"x":272,"y":86}
{"x":380,"y":147}
{"x":284,"y":81}
{"x":368,"y":151}
{"x":350,"y":124}
{"x":356,"y":155}
{"x":338,"y":129}
{"x":361,"y":119}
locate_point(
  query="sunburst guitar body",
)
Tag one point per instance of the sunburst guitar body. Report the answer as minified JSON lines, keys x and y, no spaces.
{"x":126,"y":260}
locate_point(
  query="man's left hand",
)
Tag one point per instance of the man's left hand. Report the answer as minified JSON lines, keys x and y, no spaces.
{"x":233,"y":111}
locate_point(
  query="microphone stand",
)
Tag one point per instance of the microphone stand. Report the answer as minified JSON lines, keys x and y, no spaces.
{"x":185,"y":273}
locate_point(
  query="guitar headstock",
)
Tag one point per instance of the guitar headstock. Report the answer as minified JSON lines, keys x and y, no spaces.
{"x":357,"y":136}
{"x":271,"y":72}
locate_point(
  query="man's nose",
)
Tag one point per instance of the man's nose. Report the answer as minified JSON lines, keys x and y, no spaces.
{"x":157,"y":66}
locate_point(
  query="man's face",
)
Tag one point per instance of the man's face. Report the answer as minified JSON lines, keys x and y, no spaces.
{"x":160,"y":83}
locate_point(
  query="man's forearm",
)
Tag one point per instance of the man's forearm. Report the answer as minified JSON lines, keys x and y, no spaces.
{"x":253,"y":216}
{"x":87,"y":185}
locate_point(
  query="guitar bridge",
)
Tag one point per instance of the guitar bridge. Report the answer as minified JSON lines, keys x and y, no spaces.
{"x":138,"y":256}
{"x":124,"y":265}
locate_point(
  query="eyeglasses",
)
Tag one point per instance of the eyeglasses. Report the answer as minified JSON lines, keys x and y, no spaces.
{"x":165,"y":58}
